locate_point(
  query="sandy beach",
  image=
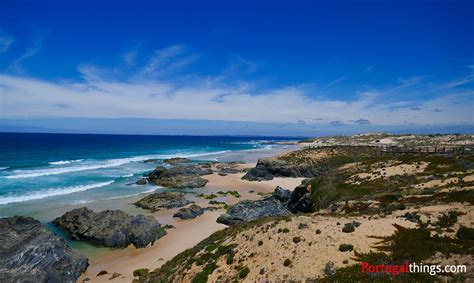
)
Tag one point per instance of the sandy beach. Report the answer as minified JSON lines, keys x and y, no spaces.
{"x":186,"y":233}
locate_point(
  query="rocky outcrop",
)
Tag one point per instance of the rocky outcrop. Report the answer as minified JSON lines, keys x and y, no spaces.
{"x":180,"y":177}
{"x":257,"y":174}
{"x":249,"y":210}
{"x":110,"y":228}
{"x":307,"y":163}
{"x":142,"y":181}
{"x":282,"y":194}
{"x":228,"y":168}
{"x":176,"y":160}
{"x":282,"y":202}
{"x":155,"y":201}
{"x":282,"y":167}
{"x":300,"y":199}
{"x":189,"y":212}
{"x":29,"y":252}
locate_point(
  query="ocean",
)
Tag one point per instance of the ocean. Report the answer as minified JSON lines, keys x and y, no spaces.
{"x":41,"y":172}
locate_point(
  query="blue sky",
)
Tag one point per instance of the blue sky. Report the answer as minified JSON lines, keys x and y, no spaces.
{"x":279,"y":67}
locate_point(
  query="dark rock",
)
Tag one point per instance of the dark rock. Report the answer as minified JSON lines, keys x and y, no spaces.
{"x":151,"y":161}
{"x":210,"y":208}
{"x":180,"y":177}
{"x":189,"y":212}
{"x":302,"y":226}
{"x":300,"y":200}
{"x":334,"y":207}
{"x":114,"y":275}
{"x":350,"y":227}
{"x":329,"y":268}
{"x":257,"y":174}
{"x":282,"y":194}
{"x":155,"y":201}
{"x":29,"y":252}
{"x":142,"y":181}
{"x":110,"y":228}
{"x":207,"y":164}
{"x":270,"y":167}
{"x":229,"y":171}
{"x":251,"y":191}
{"x":249,"y":210}
{"x":346,"y":247}
{"x":412,"y":217}
{"x":102,"y":272}
{"x":176,"y":160}
{"x":222,"y":174}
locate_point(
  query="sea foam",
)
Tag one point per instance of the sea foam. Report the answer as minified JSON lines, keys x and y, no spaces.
{"x":19,"y":174}
{"x":52,"y":192}
{"x":62,"y":162}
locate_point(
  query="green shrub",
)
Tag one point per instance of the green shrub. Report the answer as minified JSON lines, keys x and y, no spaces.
{"x":346,"y":247}
{"x":244,"y":272}
{"x":230,"y":259}
{"x":448,"y":220}
{"x":465,"y":233}
{"x":296,"y":240}
{"x":140,"y":272}
{"x":203,"y":276}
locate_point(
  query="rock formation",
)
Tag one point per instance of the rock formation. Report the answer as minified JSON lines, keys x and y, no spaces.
{"x":29,"y":252}
{"x":155,"y":201}
{"x":110,"y":228}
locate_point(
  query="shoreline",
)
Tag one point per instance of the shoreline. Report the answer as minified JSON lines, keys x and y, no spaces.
{"x":118,"y":195}
{"x":186,"y":233}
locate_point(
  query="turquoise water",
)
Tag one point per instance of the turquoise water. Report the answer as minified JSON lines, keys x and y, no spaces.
{"x":50,"y":170}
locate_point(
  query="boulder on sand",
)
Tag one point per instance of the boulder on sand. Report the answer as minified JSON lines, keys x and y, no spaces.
{"x":180,"y":177}
{"x":282,"y":194}
{"x":189,"y":212}
{"x":300,"y":199}
{"x":249,"y":210}
{"x":257,"y":174}
{"x":155,"y":201}
{"x":30,"y":252}
{"x":110,"y":228}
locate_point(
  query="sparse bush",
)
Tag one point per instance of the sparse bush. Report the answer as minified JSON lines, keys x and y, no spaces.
{"x":296,"y":240}
{"x":244,"y":272}
{"x":465,"y":233}
{"x":348,"y":228}
{"x":346,"y":247}
{"x":140,"y":272}
{"x":449,"y":219}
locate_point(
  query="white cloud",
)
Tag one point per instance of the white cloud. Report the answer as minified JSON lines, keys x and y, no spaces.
{"x":148,"y":94}
{"x":23,"y":97}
